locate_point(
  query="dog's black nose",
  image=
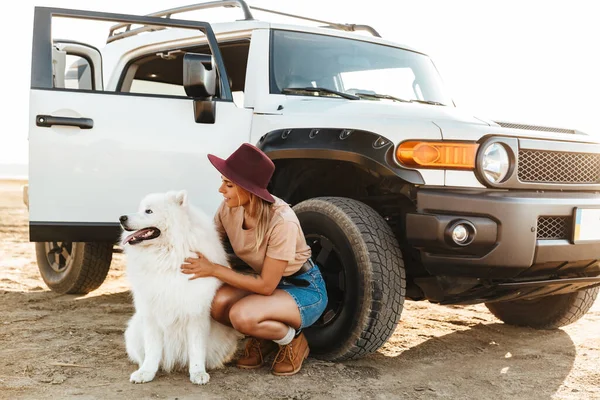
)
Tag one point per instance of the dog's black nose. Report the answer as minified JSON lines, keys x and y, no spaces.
{"x":123,"y":218}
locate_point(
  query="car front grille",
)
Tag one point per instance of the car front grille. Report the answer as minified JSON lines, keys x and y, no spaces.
{"x":541,"y":166}
{"x":554,"y":227}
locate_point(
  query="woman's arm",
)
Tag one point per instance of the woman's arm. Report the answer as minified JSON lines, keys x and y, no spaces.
{"x":264,"y":284}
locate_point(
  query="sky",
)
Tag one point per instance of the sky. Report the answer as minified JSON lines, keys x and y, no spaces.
{"x":520,"y":61}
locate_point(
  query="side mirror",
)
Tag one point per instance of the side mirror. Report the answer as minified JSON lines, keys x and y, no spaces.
{"x":199,"y":76}
{"x":200,"y":83}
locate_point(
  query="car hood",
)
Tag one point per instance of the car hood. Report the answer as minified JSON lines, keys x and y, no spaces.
{"x":454,"y":123}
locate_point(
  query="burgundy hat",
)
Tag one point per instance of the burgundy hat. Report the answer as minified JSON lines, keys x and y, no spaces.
{"x":249,"y":168}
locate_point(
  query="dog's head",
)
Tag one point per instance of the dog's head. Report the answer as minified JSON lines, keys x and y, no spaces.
{"x":157,"y":216}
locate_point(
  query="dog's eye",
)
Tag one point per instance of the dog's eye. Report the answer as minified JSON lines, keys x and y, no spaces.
{"x":148,"y":211}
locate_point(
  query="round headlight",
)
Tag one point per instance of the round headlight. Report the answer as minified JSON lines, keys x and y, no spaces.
{"x":495,"y":163}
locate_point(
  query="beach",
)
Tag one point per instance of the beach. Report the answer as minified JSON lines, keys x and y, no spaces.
{"x":68,"y":346}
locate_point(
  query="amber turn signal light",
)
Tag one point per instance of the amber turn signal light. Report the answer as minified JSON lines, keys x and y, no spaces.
{"x":451,"y":155}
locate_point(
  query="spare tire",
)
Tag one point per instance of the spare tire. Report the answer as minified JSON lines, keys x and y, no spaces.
{"x":363,"y":269}
{"x":547,"y":312}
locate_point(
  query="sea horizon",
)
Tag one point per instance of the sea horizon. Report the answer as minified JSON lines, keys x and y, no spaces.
{"x":14,"y":172}
{"x":14,"y":177}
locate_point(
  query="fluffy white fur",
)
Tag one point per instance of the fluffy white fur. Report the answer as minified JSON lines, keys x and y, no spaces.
{"x":172,"y":327}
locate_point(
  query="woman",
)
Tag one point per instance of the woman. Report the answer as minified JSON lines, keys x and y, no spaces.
{"x":286,"y":292}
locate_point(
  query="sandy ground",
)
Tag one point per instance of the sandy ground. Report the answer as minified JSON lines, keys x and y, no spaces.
{"x":436,"y":352}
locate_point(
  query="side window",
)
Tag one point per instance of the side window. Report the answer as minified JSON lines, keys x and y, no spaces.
{"x":73,"y":52}
{"x":156,"y":87}
{"x":78,"y":74}
{"x":235,"y":58}
{"x":162,"y":73}
{"x":71,"y":71}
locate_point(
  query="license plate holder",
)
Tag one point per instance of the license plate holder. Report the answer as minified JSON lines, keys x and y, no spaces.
{"x":586,"y":225}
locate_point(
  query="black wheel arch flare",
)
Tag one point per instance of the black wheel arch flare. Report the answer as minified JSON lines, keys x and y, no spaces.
{"x":365,"y":148}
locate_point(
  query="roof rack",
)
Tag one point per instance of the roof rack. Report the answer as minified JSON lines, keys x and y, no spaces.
{"x":112,"y":36}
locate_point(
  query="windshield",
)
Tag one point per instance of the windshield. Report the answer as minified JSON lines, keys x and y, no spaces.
{"x":301,"y":60}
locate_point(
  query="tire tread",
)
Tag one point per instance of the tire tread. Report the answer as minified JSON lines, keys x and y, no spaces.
{"x":89,"y":269}
{"x":381,"y":254}
{"x":96,"y":264}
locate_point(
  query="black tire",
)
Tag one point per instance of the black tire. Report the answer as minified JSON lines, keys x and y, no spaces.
{"x":548,"y":312}
{"x":73,"y":267}
{"x":363,"y":269}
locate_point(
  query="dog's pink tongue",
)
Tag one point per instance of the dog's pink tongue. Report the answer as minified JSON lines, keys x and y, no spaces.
{"x":136,"y":235}
{"x":128,"y":238}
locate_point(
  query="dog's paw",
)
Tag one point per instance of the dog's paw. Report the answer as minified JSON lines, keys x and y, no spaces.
{"x":199,"y":378}
{"x":141,"y":376}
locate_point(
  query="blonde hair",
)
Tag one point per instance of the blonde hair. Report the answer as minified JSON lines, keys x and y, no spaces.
{"x":261,"y":210}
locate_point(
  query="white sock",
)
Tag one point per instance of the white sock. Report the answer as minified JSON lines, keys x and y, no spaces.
{"x":289,"y":336}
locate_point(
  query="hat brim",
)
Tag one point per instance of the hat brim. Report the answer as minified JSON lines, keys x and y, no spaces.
{"x":229,"y":173}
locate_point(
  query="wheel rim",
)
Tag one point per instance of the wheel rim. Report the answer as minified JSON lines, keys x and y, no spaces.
{"x":327,"y":256}
{"x":59,"y":255}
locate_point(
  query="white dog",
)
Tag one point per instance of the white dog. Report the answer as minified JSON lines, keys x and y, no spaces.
{"x":172,"y":326}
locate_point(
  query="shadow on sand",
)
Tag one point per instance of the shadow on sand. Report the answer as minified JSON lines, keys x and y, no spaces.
{"x":489,"y":361}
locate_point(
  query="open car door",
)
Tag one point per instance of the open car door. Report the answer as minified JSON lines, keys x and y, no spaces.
{"x":96,"y":150}
{"x":94,"y":153}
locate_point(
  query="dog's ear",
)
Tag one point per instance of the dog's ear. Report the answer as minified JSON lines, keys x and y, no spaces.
{"x":181,"y":198}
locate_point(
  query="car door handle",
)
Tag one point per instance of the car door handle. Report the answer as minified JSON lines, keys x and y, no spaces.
{"x":49,"y":120}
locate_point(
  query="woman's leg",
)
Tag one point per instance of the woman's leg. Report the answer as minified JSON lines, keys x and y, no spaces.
{"x":265,"y":317}
{"x":273,"y":317}
{"x":224,"y":299}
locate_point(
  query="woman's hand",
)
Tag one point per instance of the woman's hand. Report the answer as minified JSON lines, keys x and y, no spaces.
{"x":198,"y":267}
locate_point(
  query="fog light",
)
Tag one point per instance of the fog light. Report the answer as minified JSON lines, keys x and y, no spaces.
{"x":460,"y":234}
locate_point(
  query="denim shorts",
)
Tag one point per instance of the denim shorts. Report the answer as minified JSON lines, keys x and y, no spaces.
{"x":311,"y":299}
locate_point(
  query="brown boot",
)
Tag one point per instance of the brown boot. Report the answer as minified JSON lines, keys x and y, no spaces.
{"x":290,"y":357}
{"x":255,"y":353}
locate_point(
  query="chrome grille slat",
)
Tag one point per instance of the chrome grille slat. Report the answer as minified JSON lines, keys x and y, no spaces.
{"x":554,"y":227}
{"x":541,"y":166}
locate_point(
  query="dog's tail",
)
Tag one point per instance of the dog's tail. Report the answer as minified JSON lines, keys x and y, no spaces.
{"x":222,"y":345}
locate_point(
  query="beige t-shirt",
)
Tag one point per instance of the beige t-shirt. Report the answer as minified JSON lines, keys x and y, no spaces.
{"x":284,"y":239}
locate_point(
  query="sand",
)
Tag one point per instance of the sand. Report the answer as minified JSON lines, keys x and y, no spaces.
{"x":65,"y":346}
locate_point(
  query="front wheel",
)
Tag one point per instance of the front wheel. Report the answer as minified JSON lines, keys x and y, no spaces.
{"x":548,"y":312}
{"x":73,"y":267}
{"x":362,"y":266}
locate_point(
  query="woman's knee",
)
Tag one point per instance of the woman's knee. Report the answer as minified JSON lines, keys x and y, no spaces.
{"x":221,"y":304}
{"x":242,"y":319}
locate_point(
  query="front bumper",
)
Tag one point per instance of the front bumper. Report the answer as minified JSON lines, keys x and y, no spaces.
{"x":508,"y":240}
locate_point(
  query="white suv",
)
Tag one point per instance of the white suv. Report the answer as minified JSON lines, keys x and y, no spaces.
{"x":400,"y":194}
